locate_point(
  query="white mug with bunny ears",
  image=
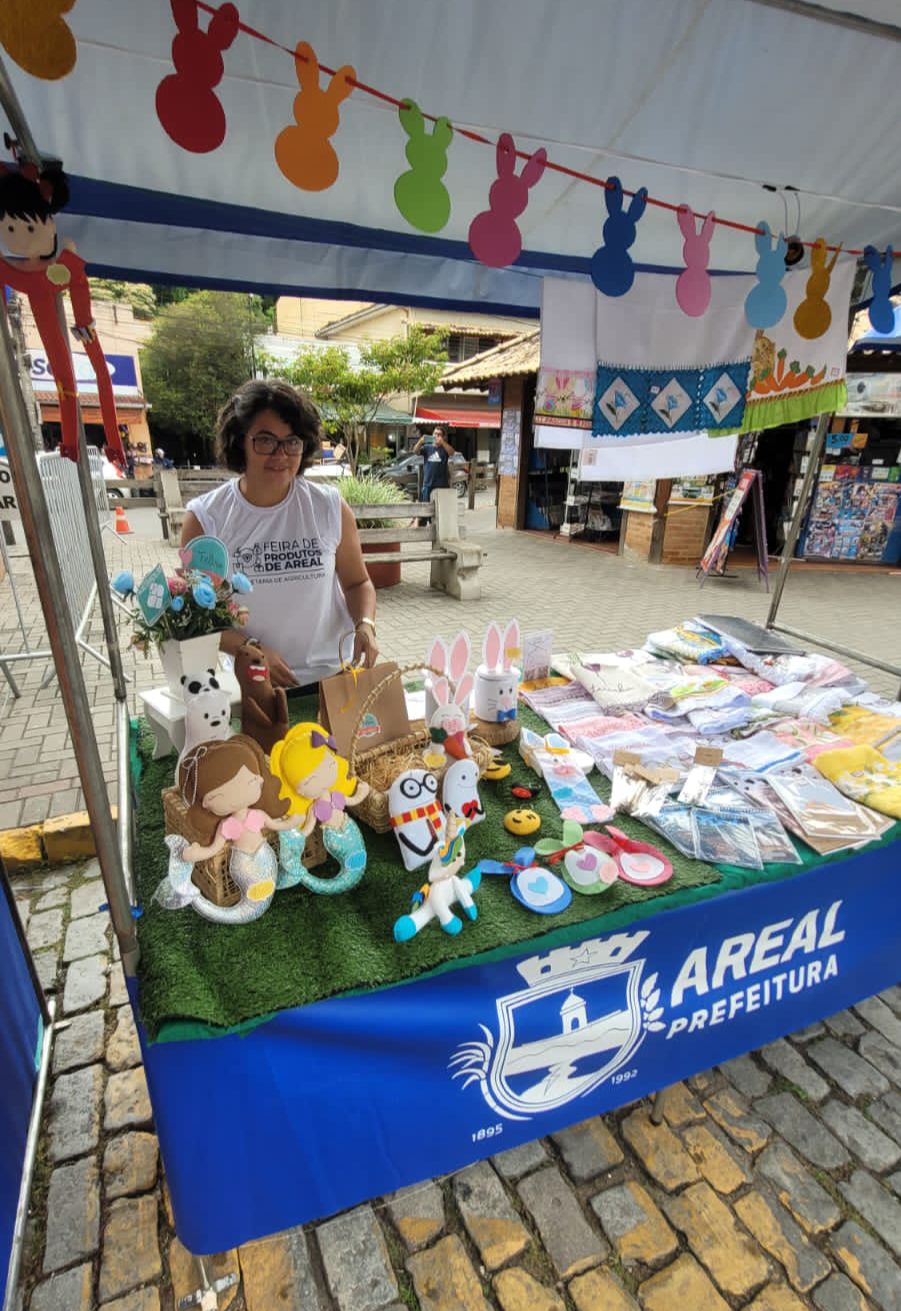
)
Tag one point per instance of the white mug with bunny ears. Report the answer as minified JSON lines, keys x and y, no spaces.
{"x":497,"y":678}
{"x":453,"y":664}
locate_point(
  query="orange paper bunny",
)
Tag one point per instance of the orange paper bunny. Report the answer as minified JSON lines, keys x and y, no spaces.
{"x":813,"y":315}
{"x":35,"y":34}
{"x":304,"y":153}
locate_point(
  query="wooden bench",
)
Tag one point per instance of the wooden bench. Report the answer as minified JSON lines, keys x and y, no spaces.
{"x":455,"y":562}
{"x":176,"y":486}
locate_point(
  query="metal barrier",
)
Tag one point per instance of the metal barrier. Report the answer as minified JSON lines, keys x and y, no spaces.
{"x":59,"y":478}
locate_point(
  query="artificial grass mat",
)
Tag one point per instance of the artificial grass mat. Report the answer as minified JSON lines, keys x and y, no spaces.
{"x":200,"y":979}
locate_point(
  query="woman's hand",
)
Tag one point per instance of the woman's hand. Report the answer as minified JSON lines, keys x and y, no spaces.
{"x":366,"y":647}
{"x":280,"y":674}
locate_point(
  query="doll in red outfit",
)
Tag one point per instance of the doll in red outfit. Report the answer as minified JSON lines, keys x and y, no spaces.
{"x":42,"y":271}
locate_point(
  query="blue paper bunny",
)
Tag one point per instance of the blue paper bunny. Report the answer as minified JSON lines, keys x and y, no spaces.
{"x":765,"y":303}
{"x":882,"y":313}
{"x":612,"y":267}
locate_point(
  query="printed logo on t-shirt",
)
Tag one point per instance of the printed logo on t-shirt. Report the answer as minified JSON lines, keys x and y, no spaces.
{"x":300,"y":557}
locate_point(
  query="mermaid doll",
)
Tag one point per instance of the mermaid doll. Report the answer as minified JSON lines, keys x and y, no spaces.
{"x":232,"y":798}
{"x":318,"y":787}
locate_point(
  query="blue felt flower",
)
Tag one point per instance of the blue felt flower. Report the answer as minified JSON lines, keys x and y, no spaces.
{"x":178,"y":604}
{"x":123,"y":583}
{"x":241,"y":583}
{"x":204,"y":595}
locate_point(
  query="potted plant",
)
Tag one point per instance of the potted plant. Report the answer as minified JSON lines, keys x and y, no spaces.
{"x":195,"y":611}
{"x":369,"y":489}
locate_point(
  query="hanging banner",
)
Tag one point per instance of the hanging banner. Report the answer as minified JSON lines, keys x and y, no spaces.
{"x":508,"y":1051}
{"x":722,"y":539}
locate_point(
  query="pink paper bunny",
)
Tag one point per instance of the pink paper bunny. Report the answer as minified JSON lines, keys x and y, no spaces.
{"x":497,"y":678}
{"x":453,"y":664}
{"x":186,"y":103}
{"x":693,"y":285}
{"x":494,"y":235}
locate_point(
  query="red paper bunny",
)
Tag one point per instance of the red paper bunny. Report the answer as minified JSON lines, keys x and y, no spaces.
{"x":693,"y":285}
{"x":29,"y":199}
{"x":494,"y":235}
{"x":186,"y":103}
{"x":304,"y":152}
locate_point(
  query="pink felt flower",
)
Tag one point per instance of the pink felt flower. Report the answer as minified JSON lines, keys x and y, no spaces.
{"x":177,"y":585}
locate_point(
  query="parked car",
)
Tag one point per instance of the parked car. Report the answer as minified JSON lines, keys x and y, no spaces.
{"x":407,"y":473}
{"x":109,"y":472}
{"x":326,"y":469}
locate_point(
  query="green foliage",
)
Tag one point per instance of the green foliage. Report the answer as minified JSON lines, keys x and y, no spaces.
{"x":369,"y":489}
{"x":223,"y":608}
{"x":349,"y":396}
{"x":200,"y":353}
{"x":138,"y":295}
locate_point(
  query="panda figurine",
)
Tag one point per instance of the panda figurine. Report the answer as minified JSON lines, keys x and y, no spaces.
{"x":207,"y":710}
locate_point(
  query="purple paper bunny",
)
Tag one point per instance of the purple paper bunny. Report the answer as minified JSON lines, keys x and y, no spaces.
{"x":882,"y":313}
{"x":693,"y":285}
{"x":612,"y":267}
{"x":494,"y":235}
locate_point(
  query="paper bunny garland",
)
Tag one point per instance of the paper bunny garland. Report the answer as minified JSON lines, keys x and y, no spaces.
{"x":494,"y":235}
{"x":813,"y":315}
{"x":497,"y":678}
{"x":304,"y":151}
{"x":612,"y":267}
{"x":693,"y":284}
{"x":882,"y":313}
{"x":419,"y":194}
{"x":35,"y":34}
{"x":186,"y":102}
{"x":766,"y":302}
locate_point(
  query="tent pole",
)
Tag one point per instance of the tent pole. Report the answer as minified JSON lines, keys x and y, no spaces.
{"x":794,"y":532}
{"x":61,"y":632}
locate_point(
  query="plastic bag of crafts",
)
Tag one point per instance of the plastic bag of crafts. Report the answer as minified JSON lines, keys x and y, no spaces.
{"x":674,"y":823}
{"x":725,"y":838}
{"x":773,"y":843}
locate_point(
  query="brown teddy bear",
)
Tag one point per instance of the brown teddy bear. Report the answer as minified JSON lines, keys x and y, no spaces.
{"x":264,"y":708}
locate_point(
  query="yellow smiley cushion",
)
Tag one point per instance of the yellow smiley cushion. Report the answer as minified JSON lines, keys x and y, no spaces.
{"x":522,"y":822}
{"x":498,"y":769}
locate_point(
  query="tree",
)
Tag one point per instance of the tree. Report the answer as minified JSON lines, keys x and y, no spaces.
{"x":200,"y":353}
{"x":137,"y":294}
{"x":349,"y":396}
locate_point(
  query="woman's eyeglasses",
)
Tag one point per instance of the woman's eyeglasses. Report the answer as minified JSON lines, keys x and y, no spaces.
{"x":265,"y":444}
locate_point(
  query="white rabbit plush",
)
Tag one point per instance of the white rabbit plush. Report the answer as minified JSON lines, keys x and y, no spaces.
{"x":208,"y":710}
{"x":497,"y":677}
{"x":448,"y":724}
{"x":453,"y":664}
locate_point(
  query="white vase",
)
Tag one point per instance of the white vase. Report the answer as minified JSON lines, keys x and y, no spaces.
{"x":190,"y":656}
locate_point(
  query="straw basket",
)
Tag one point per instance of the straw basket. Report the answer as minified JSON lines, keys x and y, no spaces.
{"x":498,"y":735}
{"x":381,"y":765}
{"x":212,"y":876}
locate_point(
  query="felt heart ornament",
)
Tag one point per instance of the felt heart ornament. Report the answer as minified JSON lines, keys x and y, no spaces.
{"x":589,"y":871}
{"x":638,"y":867}
{"x":540,"y":891}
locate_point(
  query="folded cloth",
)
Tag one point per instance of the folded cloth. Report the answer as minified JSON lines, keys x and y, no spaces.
{"x":688,"y":641}
{"x":613,"y":688}
{"x":811,"y":668}
{"x":762,"y":752}
{"x":720,"y":720}
{"x":802,"y":701}
{"x":863,"y":774}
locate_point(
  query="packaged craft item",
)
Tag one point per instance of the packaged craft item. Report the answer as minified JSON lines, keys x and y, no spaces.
{"x":725,"y":838}
{"x":700,"y":776}
{"x":673,"y":822}
{"x":625,"y":786}
{"x":659,"y":782}
{"x":863,"y":774}
{"x":820,"y":808}
{"x":773,"y":843}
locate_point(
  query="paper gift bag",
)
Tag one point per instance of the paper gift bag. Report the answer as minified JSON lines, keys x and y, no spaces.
{"x":341,"y":699}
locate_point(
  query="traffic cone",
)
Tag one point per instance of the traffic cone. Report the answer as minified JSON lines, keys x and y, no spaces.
{"x":121,"y":524}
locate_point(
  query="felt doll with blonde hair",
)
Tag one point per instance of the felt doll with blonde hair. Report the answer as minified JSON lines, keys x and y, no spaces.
{"x":318,"y":786}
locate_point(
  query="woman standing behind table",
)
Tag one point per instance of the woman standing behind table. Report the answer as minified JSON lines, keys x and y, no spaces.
{"x":296,"y":540}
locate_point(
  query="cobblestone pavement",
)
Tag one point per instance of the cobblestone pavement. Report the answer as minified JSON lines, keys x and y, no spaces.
{"x":590,"y":598}
{"x":773,"y":1183}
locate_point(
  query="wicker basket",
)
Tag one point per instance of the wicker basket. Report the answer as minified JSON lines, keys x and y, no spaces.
{"x":381,"y":765}
{"x":498,"y":735}
{"x":212,"y":876}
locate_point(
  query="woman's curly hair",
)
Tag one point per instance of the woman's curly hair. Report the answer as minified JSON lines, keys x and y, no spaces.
{"x":291,"y":406}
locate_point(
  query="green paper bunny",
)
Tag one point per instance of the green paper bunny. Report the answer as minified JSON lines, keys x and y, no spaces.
{"x":419,"y":194}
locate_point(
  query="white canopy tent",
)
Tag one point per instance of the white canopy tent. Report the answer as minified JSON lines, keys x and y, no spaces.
{"x":701,"y":102}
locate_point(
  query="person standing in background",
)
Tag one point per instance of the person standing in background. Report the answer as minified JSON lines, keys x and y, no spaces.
{"x":436,"y":451}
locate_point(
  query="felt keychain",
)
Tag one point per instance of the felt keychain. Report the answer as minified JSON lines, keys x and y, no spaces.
{"x":41,"y":271}
{"x":186,"y":102}
{"x":35,"y":35}
{"x":304,"y":151}
{"x":494,"y":235}
{"x":419,"y":194}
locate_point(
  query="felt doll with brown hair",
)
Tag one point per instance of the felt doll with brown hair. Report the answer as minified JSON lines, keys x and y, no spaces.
{"x":264,"y":708}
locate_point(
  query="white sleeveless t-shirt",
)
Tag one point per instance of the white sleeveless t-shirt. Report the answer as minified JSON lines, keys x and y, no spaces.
{"x":288,"y":552}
